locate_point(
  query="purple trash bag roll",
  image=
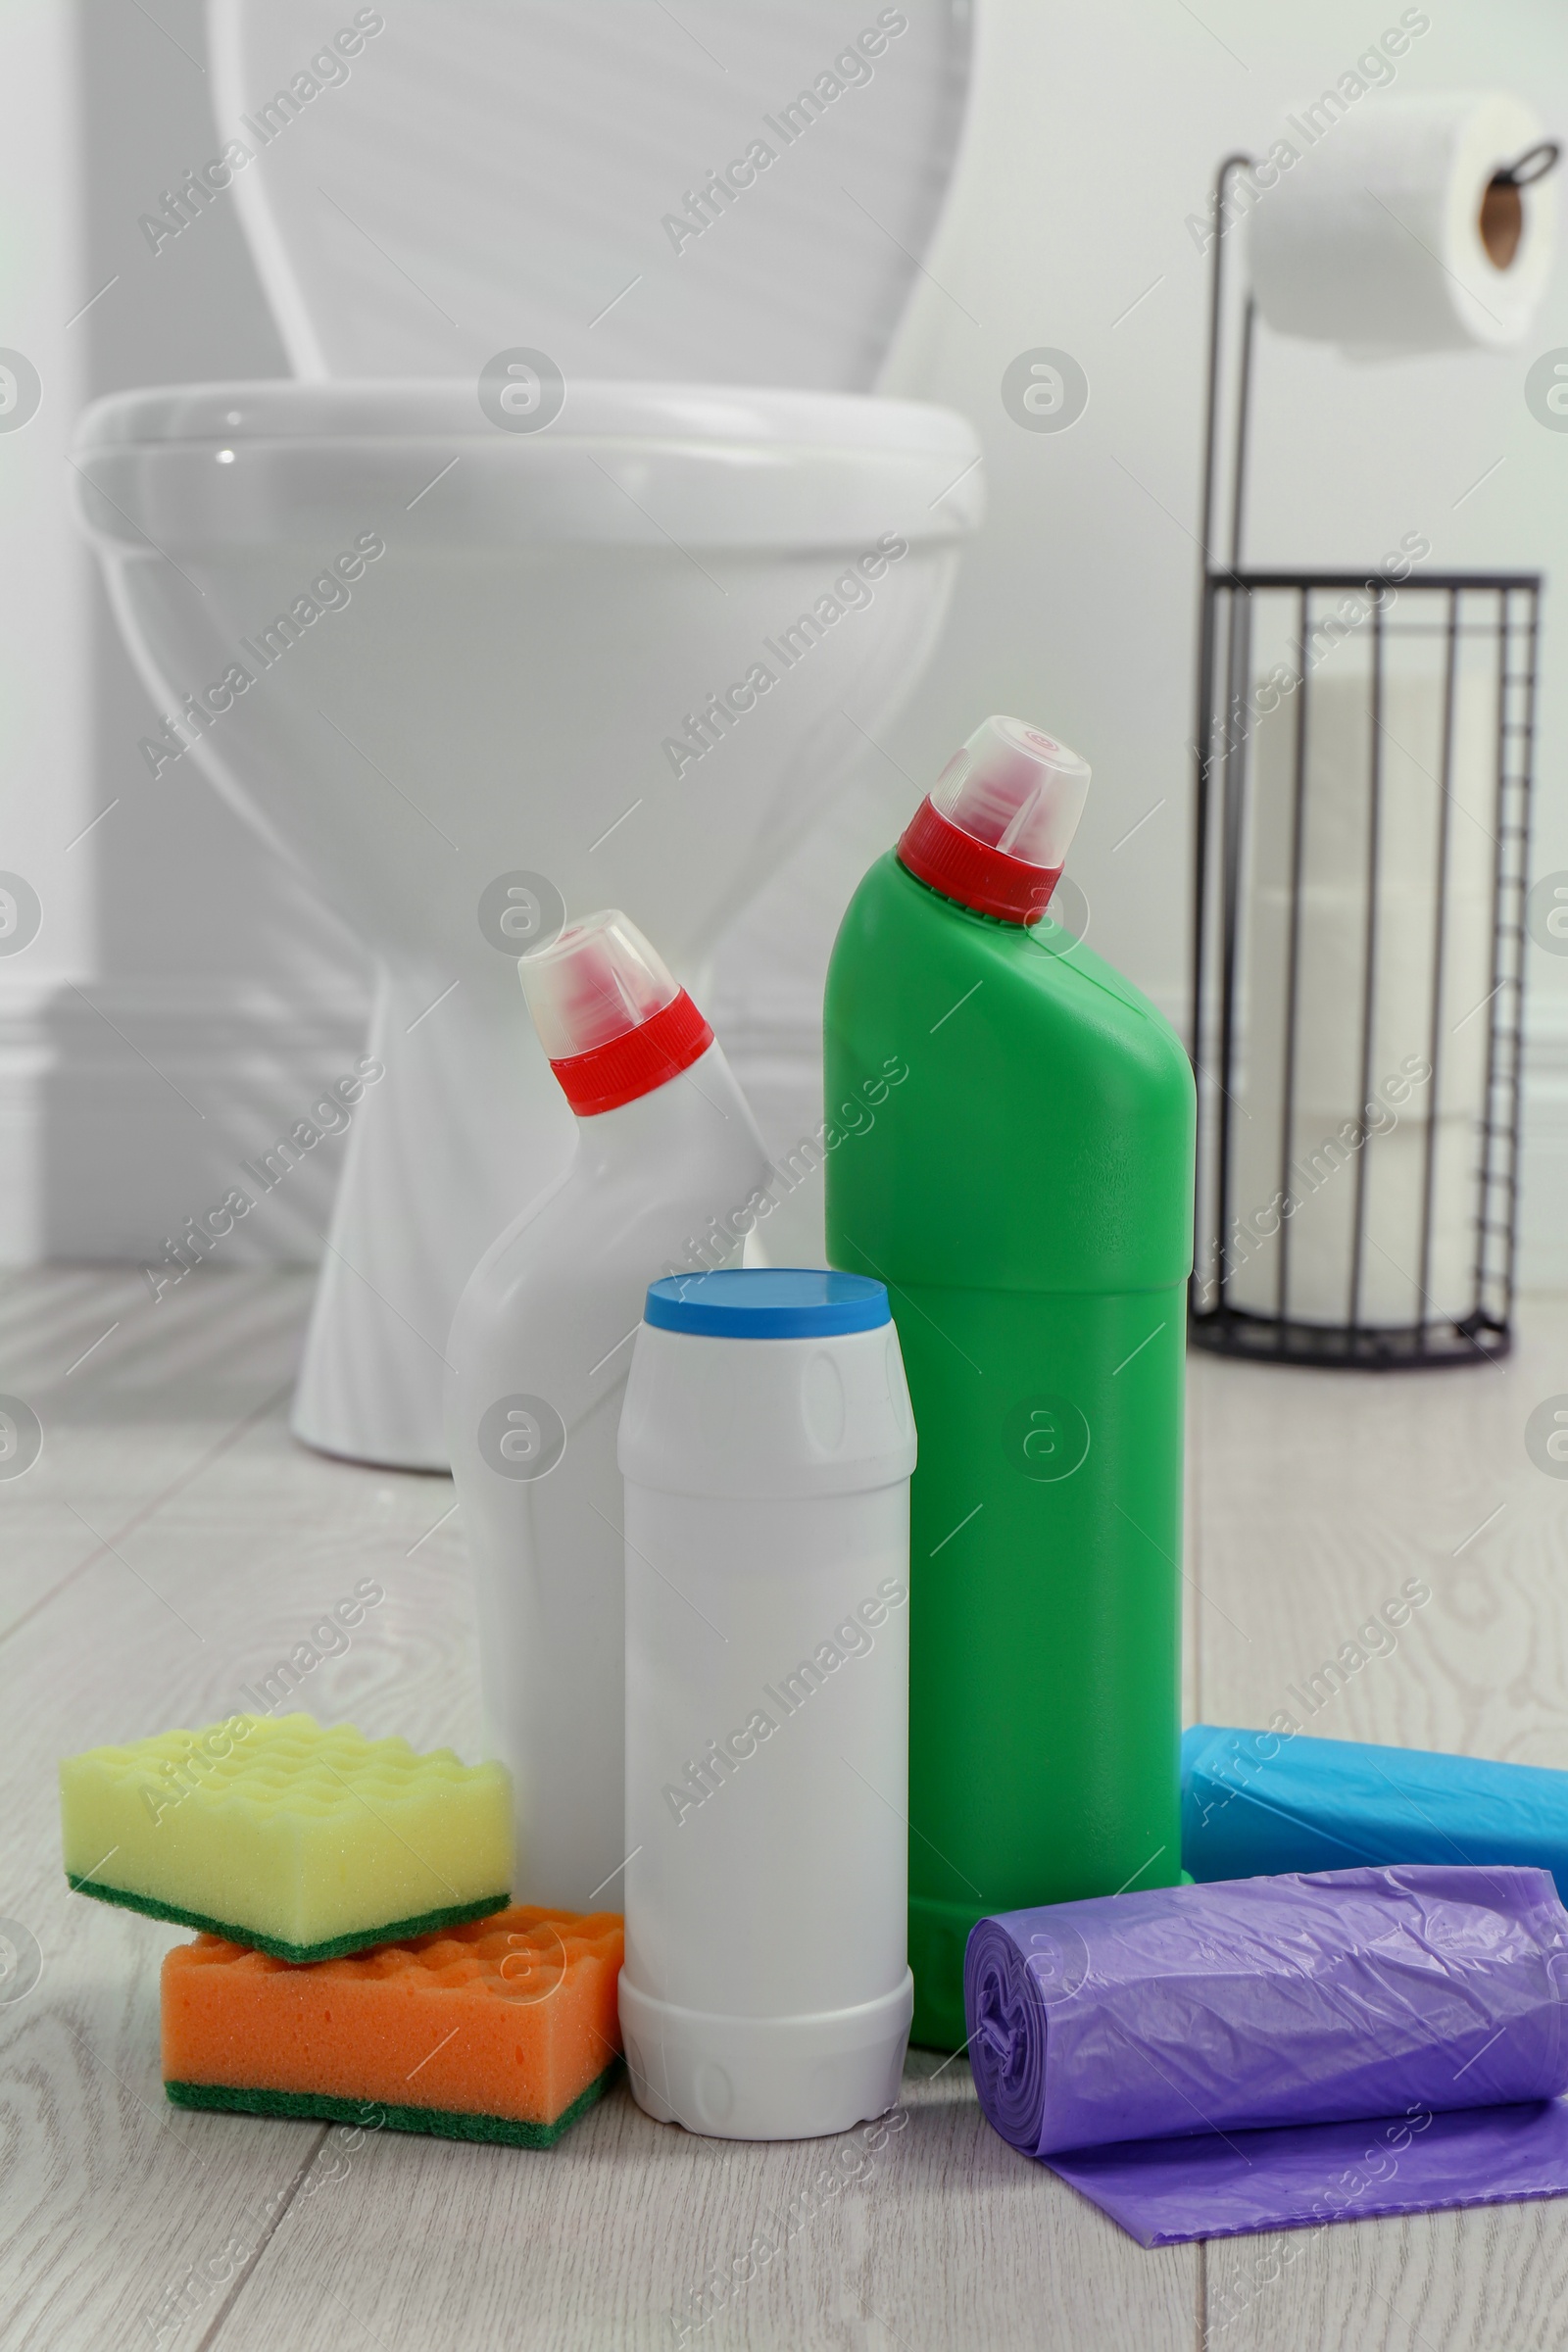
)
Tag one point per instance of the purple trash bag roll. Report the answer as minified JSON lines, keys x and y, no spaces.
{"x":1204,"y":2059}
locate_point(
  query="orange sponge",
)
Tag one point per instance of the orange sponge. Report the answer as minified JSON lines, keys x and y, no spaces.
{"x":504,"y":2029}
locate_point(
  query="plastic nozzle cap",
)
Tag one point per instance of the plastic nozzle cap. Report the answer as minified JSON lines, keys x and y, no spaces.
{"x":598,"y":980}
{"x":1016,"y":789}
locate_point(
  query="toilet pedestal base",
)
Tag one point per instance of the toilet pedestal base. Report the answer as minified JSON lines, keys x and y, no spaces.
{"x":465,"y":1127}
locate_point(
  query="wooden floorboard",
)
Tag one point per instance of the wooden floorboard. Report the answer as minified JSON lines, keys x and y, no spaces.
{"x":212,"y":1546}
{"x":1321,"y":1495}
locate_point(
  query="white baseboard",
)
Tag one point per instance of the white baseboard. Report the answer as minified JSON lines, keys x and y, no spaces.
{"x":125,"y":1108}
{"x":1543,"y":1172}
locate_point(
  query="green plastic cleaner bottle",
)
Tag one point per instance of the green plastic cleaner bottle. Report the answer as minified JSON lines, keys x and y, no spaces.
{"x":1011,"y":1126}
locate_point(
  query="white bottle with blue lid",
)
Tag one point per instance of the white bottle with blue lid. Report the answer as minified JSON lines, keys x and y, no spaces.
{"x":766,"y":1445}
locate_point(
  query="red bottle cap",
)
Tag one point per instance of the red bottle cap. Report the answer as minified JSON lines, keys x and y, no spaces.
{"x":995,"y":829}
{"x":608,"y":1014}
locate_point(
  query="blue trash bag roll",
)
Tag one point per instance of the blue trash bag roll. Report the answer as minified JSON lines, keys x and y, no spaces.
{"x":1205,"y":2060}
{"x":1260,"y":1802}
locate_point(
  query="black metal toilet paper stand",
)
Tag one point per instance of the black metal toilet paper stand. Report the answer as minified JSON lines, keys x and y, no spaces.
{"x":1502,"y":611}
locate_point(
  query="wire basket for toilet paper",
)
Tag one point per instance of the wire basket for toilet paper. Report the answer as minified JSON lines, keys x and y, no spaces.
{"x":1364,"y":748}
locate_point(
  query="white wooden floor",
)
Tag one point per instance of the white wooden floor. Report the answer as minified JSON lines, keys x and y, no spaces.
{"x":172,"y":1543}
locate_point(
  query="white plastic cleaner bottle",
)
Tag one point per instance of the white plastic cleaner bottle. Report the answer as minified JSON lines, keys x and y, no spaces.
{"x":767,"y":1445}
{"x":540,"y":1349}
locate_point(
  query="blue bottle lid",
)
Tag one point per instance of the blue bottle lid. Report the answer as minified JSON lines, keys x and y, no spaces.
{"x":767,"y":1303}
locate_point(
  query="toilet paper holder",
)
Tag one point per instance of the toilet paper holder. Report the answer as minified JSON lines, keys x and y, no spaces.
{"x":1501,"y":212}
{"x":1450,"y":1187}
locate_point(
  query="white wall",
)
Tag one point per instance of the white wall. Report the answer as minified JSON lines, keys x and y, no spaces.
{"x":1093,"y":135}
{"x":185,"y":996}
{"x":46,"y":683}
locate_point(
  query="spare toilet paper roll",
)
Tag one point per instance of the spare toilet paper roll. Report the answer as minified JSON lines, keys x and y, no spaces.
{"x":1407,"y":728}
{"x":1205,"y":2060}
{"x":1330,"y":995}
{"x":1335,"y":1047}
{"x":1322,"y":1182}
{"x":1380,"y":238}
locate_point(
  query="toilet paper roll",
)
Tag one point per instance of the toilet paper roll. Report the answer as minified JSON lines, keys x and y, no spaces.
{"x":1414,"y":814}
{"x":1330,"y":1037}
{"x":1322,"y":1193}
{"x":1408,"y":732}
{"x":1383,"y":237}
{"x":1329,"y":1151}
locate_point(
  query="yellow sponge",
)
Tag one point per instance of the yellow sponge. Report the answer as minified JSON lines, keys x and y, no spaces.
{"x":302,"y":1843}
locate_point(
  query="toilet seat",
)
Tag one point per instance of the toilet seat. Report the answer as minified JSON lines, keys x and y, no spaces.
{"x":624,"y":463}
{"x":278,"y":408}
{"x":773,"y":319}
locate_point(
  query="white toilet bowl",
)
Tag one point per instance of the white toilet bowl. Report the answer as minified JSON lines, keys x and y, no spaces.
{"x":521,"y":680}
{"x":427,"y":653}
